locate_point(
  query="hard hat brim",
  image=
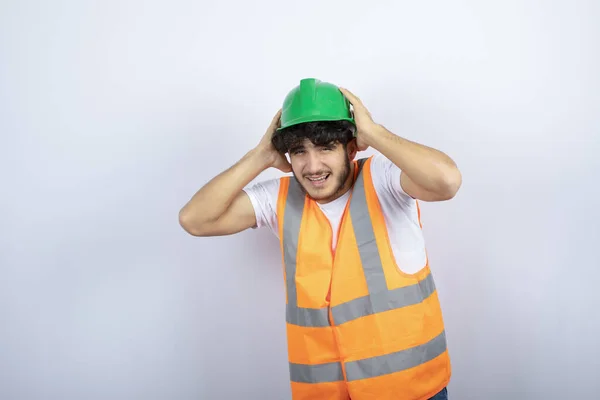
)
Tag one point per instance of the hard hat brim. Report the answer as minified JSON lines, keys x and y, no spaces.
{"x":314,"y":118}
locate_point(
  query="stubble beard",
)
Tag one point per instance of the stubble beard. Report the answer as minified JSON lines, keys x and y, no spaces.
{"x":341,"y":181}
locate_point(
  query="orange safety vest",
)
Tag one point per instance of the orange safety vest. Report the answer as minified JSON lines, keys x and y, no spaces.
{"x":357,"y":327}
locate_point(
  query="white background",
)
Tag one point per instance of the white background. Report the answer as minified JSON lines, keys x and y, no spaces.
{"x":112,"y":114}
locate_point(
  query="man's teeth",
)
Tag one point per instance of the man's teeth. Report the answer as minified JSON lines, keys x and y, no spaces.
{"x":318,"y":179}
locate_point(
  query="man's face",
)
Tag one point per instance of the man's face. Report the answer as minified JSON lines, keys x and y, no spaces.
{"x":322,"y":171}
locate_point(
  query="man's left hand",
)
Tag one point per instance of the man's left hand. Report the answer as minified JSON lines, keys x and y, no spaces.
{"x":365,"y":125}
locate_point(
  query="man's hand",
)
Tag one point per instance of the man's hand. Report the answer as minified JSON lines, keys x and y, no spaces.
{"x":266,"y":149}
{"x":365,"y":126}
{"x":427,"y":174}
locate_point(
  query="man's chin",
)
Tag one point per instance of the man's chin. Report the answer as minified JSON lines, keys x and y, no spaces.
{"x":316,"y":193}
{"x":324,"y":194}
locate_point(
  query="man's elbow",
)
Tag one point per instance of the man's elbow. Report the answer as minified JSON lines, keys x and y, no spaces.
{"x":451,"y":183}
{"x":190,"y":224}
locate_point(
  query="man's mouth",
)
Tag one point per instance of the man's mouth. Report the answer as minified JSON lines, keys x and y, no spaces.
{"x":318,"y":180}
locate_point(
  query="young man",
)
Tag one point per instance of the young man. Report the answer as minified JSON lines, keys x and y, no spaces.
{"x":362,"y":313}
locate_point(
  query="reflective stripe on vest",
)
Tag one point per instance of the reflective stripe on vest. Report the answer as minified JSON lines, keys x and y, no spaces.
{"x":291,"y":232}
{"x":378,"y":300}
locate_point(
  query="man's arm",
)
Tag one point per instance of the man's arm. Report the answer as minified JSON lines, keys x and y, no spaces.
{"x":427,"y":173}
{"x":221,"y":207}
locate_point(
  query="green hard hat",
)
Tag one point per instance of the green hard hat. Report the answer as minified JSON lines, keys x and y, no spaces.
{"x":314,"y":100}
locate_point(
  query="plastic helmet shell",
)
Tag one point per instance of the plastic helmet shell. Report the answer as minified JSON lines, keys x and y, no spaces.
{"x":314,"y":100}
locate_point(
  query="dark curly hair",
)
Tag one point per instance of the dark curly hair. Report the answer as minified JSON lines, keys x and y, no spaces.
{"x":319,"y":133}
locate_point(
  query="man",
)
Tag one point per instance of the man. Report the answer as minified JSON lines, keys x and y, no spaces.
{"x":362,"y":313}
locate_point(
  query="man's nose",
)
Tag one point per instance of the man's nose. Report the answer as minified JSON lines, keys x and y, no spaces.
{"x":314,"y":164}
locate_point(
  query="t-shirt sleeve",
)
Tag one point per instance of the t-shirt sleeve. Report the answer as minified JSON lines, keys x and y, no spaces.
{"x":389,"y":175}
{"x":263,"y":196}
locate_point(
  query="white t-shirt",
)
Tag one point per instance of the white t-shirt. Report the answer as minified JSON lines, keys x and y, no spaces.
{"x":399,"y":210}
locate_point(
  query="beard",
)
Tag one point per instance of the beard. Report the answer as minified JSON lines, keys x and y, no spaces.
{"x":340,"y":181}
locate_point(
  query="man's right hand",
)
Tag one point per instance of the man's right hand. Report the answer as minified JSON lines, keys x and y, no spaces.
{"x":267,"y":150}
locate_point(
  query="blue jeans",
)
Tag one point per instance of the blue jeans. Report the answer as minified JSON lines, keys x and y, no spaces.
{"x":443,"y":395}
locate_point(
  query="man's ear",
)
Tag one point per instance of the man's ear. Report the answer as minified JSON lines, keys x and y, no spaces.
{"x":352,"y":149}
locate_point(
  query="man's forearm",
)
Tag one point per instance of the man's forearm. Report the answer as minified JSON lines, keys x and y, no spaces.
{"x":429,"y":168}
{"x":215,"y":197}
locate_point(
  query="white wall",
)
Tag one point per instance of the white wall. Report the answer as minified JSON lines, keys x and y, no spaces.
{"x":112,"y":114}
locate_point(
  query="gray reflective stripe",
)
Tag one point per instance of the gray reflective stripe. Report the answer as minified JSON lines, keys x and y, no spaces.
{"x":395,"y":362}
{"x":330,"y":372}
{"x":313,"y":317}
{"x":291,"y":231}
{"x":361,"y":162}
{"x":294,"y":207}
{"x":365,"y":239}
{"x":383,"y":301}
